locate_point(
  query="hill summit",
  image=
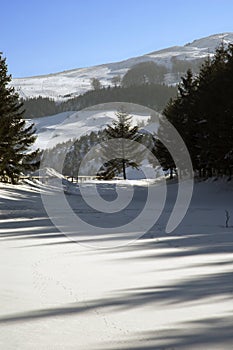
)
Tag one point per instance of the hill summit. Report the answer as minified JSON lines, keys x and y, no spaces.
{"x":63,"y":85}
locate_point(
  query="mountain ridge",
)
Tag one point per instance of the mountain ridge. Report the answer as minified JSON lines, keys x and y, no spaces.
{"x":78,"y":80}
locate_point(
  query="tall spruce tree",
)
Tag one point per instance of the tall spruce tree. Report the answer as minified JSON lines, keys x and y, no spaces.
{"x":15,"y":136}
{"x":121,"y":128}
{"x":181,"y":114}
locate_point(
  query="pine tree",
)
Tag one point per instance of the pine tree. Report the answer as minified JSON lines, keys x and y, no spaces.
{"x":144,"y":73}
{"x":181,"y":114}
{"x":214,"y":104}
{"x":161,"y":152}
{"x":202,"y":113}
{"x":15,"y":136}
{"x":95,"y":83}
{"x":122,"y":129}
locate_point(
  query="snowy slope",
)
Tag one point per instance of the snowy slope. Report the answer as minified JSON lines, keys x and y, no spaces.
{"x":72,"y":125}
{"x":169,"y":291}
{"x":77,"y":81}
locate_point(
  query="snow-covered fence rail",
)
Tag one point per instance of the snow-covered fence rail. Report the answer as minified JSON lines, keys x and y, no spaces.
{"x":77,"y":179}
{"x":83,"y":178}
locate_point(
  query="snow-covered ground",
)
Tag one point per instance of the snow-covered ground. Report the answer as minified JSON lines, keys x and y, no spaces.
{"x":61,"y":86}
{"x":163,"y":291}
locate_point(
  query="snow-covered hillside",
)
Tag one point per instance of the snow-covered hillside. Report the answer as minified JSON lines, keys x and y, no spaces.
{"x":72,"y":125}
{"x":77,"y":81}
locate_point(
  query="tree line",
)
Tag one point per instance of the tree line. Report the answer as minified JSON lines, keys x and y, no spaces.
{"x":142,"y":84}
{"x":154,"y":96}
{"x":202,"y":113}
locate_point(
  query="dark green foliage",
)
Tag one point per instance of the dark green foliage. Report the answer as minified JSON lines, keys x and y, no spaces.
{"x":15,"y":135}
{"x":154,"y":96}
{"x":77,"y":151}
{"x":162,"y":154}
{"x":202,"y":113}
{"x":71,"y":154}
{"x":95,"y":83}
{"x":57,"y":154}
{"x":144,"y":73}
{"x":124,"y":154}
{"x":181,"y":66}
{"x":40,"y":107}
{"x":116,"y":80}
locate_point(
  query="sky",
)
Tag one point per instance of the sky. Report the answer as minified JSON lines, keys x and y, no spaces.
{"x":48,"y":36}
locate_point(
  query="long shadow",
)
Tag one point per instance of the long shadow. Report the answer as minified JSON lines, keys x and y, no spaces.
{"x":198,"y":289}
{"x":210,"y":333}
{"x":181,"y":243}
{"x":193,"y":290}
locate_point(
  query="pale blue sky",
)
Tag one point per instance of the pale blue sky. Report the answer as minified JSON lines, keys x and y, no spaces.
{"x":41,"y":37}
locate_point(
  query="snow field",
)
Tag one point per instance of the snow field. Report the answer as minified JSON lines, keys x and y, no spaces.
{"x":164,"y":291}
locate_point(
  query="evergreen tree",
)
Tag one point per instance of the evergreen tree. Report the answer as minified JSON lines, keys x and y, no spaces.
{"x":144,"y":73}
{"x":121,"y":129}
{"x":15,"y":136}
{"x":202,"y":113}
{"x":116,"y":80}
{"x":162,"y":154}
{"x":181,"y":114}
{"x":154,"y":96}
{"x":95,"y":83}
{"x":39,"y":107}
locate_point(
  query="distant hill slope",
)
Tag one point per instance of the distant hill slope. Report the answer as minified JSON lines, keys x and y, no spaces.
{"x":61,"y":86}
{"x":154,"y":96}
{"x":72,"y":125}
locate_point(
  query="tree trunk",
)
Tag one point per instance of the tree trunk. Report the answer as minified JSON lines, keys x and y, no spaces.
{"x":123,"y":156}
{"x":124,"y":171}
{"x":171,"y":173}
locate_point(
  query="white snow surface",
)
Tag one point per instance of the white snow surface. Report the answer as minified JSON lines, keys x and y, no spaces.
{"x":61,"y":86}
{"x":66,"y":126}
{"x":164,"y":291}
